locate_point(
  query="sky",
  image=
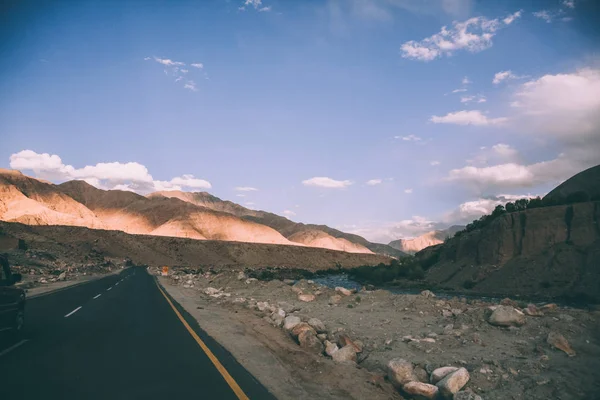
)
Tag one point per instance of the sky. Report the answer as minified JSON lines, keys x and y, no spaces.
{"x":385,"y":118}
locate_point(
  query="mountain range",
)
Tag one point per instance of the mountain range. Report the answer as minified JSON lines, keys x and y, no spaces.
{"x":411,"y":246}
{"x":199,"y":215}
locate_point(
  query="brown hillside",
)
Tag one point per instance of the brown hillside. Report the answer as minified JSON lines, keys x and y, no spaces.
{"x":550,"y":251}
{"x":316,"y":238}
{"x":77,"y":245}
{"x":31,"y":201}
{"x":163,"y":216}
{"x":286,"y":227}
{"x":586,"y":182}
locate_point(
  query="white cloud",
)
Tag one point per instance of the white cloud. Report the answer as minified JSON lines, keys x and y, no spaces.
{"x":190,"y":85}
{"x":504,"y":150}
{"x":122,"y":187}
{"x":564,"y":105}
{"x":466,"y":81}
{"x":434,"y":163}
{"x":246,"y":189}
{"x":473,"y":117}
{"x":409,"y":138}
{"x":240,"y":195}
{"x":197,"y":65}
{"x":510,"y":19}
{"x":288,"y":213}
{"x":256,"y":4}
{"x":459,"y":90}
{"x":324,"y":182}
{"x":131,"y":175}
{"x":167,"y":62}
{"x":504,"y":76}
{"x":477,"y":98}
{"x":408,"y":191}
{"x":473,"y":35}
{"x":374,"y":182}
{"x":569,"y":3}
{"x":184,"y":71}
{"x":544,"y":14}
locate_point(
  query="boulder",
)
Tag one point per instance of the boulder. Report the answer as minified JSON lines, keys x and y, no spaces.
{"x":242,"y":276}
{"x":306,"y":297}
{"x":440,"y":373}
{"x":453,"y":382}
{"x":423,"y":390}
{"x":262,"y":305}
{"x":211,"y":291}
{"x":343,"y":291}
{"x":335,"y":299}
{"x":322,"y":336}
{"x":464,"y":395}
{"x":62,"y":276}
{"x":309,"y":341}
{"x":281,"y":312}
{"x":297,"y":289}
{"x":301,"y":327}
{"x":558,"y":341}
{"x":277,"y":319}
{"x":427,"y":293}
{"x":287,"y":307}
{"x":289,"y":281}
{"x":532,"y":311}
{"x":317,"y":324}
{"x":549,"y":307}
{"x":400,"y":372}
{"x":345,"y":354}
{"x":508,"y":302}
{"x":330,"y":348}
{"x":290,"y":322}
{"x":506,"y":316}
{"x":344,"y":340}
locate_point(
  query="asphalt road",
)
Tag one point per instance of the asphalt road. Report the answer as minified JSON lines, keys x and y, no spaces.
{"x":117,"y":338}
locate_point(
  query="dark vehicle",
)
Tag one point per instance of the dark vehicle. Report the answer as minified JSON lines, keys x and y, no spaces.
{"x":12,"y":300}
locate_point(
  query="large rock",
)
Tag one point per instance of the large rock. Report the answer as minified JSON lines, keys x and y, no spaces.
{"x":62,"y":276}
{"x":400,"y":372}
{"x":424,"y":390}
{"x":532,"y":311}
{"x":345,"y":354}
{"x":317,"y":324}
{"x":290,"y":322}
{"x":506,"y":316}
{"x":308,"y":340}
{"x":306,"y":297}
{"x":343,"y":291}
{"x":453,"y":382}
{"x":440,"y":373}
{"x":427,"y":293}
{"x":558,"y":341}
{"x":330,"y":348}
{"x":335,"y":299}
{"x":344,"y":340}
{"x":301,"y":327}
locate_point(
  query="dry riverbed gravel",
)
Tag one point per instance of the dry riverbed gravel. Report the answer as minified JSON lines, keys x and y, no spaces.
{"x":382,"y":345}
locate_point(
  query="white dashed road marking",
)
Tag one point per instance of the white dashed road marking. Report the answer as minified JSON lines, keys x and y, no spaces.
{"x":109,"y":288}
{"x":73,"y":312}
{"x":14,"y":346}
{"x":96,"y":296}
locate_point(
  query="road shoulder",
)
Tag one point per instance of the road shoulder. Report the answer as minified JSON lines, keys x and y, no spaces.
{"x":285,"y":369}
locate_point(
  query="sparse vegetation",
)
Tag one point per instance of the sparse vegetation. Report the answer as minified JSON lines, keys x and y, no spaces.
{"x":405,"y":268}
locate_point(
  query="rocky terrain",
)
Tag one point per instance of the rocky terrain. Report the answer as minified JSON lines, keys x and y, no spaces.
{"x":76,"y":245}
{"x":175,"y":214}
{"x":411,"y":246}
{"x":550,"y":251}
{"x":413,"y":346}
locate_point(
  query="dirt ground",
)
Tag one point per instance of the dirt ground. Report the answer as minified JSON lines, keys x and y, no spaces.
{"x":504,"y":363}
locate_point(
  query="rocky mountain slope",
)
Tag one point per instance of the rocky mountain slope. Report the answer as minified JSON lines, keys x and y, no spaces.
{"x":177,"y":214}
{"x":289,"y":229}
{"x":54,"y":247}
{"x":549,"y":251}
{"x":583,"y":186}
{"x":411,"y":246}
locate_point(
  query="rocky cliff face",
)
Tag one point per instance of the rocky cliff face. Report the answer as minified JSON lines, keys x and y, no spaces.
{"x":550,"y":251}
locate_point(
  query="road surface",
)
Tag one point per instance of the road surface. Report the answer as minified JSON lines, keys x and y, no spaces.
{"x":118,"y":337}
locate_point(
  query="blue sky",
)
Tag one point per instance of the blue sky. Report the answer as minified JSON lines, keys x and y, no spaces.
{"x":405,"y":125}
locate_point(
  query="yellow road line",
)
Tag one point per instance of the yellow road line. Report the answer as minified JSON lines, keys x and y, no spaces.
{"x":230,"y":381}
